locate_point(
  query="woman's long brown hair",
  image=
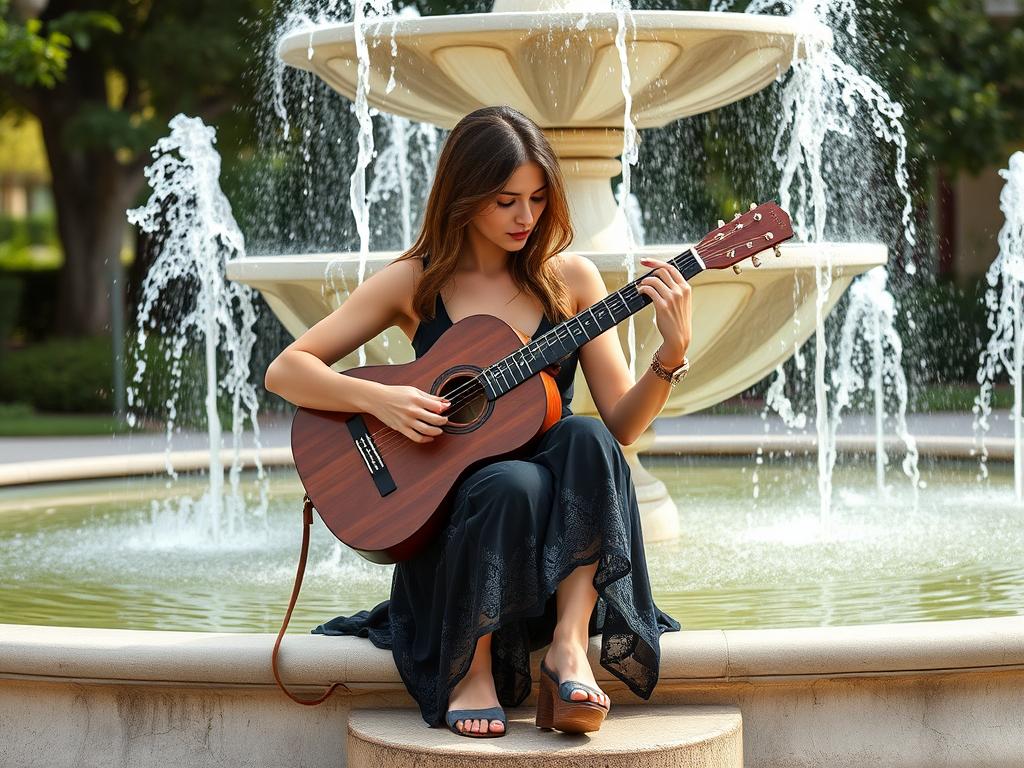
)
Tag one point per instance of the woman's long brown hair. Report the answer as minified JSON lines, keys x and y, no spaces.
{"x":479,"y":156}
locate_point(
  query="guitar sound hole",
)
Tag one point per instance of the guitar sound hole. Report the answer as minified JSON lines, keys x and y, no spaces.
{"x":468,"y":400}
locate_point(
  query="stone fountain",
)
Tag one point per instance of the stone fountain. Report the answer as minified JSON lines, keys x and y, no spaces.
{"x":561,"y":64}
{"x":931,"y":607}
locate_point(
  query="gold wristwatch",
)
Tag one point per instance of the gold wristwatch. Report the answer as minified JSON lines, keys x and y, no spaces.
{"x":673,"y":376}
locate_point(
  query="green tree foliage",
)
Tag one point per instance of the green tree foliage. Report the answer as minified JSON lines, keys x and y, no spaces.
{"x":959,"y":73}
{"x":103,"y":77}
{"x":27,"y":56}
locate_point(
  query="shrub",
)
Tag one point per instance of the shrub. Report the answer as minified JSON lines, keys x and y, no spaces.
{"x":69,"y":375}
{"x":10,"y":298}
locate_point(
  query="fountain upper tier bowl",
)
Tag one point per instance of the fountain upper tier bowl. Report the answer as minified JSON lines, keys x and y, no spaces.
{"x":437,"y":69}
{"x":744,"y":325}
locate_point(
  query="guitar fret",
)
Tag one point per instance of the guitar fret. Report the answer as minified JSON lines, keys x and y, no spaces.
{"x":583,"y":330}
{"x":518,"y":367}
{"x":564,"y":338}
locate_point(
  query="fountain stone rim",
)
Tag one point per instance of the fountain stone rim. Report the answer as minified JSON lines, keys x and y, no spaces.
{"x":315,"y":266}
{"x":297,"y":42}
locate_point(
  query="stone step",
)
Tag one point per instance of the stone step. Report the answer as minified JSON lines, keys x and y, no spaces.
{"x":640,"y":736}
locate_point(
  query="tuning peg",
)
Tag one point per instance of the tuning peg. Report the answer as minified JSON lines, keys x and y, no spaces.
{"x":721,"y":223}
{"x":778,"y":251}
{"x":736,"y":216}
{"x":755,"y":261}
{"x":753,"y":206}
{"x":736,"y":268}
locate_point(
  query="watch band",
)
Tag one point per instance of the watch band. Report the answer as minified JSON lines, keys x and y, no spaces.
{"x":673,"y":376}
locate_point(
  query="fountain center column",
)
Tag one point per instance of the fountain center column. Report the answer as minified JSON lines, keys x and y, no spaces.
{"x":589,"y":161}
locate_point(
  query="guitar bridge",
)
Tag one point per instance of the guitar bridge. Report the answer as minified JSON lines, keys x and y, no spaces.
{"x":370,"y":454}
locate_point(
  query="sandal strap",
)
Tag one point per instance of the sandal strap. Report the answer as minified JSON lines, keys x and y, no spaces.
{"x":565,"y":691}
{"x":491,"y":713}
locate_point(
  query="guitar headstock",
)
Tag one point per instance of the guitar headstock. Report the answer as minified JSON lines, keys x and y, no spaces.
{"x":763,"y":226}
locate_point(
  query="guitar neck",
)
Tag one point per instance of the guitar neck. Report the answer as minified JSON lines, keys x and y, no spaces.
{"x":566,"y":337}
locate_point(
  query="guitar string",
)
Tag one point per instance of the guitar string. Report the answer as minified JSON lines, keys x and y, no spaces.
{"x":458,"y":402}
{"x":627,"y":294}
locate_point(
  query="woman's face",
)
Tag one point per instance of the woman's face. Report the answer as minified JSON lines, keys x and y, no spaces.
{"x":516,"y":208}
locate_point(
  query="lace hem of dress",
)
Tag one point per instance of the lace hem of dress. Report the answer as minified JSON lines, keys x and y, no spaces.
{"x":630,"y":647}
{"x":511,"y":593}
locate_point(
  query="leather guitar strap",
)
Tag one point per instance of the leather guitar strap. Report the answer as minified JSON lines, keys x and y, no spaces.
{"x":307,"y":523}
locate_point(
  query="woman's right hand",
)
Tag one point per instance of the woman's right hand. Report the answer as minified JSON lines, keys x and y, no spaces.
{"x":411,"y":411}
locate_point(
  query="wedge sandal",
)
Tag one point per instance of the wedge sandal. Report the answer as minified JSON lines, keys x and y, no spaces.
{"x":556,"y":709}
{"x":491,"y":713}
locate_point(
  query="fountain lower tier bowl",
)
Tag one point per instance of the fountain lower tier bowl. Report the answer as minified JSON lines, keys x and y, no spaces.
{"x":743,"y":325}
{"x":83,"y":553}
{"x":795,"y":626}
{"x":436,"y":69}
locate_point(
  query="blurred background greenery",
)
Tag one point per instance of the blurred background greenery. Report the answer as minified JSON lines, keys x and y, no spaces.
{"x":87,"y":87}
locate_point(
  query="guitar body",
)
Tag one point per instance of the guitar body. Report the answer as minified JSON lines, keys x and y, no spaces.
{"x":385,"y":495}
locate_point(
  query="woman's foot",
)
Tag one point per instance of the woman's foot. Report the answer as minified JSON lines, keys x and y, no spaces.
{"x":568,"y":660}
{"x":475,"y":691}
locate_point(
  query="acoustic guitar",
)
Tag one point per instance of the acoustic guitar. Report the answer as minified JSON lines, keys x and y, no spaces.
{"x":385,"y":495}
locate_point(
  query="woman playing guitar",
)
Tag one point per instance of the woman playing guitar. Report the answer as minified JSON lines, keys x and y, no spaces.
{"x":544,"y":549}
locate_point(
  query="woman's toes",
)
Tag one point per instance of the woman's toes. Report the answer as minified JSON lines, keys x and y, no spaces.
{"x":497,"y":726}
{"x":578,"y":694}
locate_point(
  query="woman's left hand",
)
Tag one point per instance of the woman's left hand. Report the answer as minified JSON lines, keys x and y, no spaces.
{"x":670,"y":292}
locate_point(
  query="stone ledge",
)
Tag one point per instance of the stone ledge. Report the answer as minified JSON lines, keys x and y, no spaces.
{"x":218,"y":658}
{"x":652,"y":736}
{"x":129,"y":465}
{"x":999,"y":448}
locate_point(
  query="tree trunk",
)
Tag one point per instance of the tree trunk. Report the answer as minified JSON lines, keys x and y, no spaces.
{"x":91,"y":192}
{"x":947,"y":225}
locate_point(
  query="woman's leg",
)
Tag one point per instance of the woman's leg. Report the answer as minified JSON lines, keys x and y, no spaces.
{"x":504,"y":505}
{"x":574,"y":442}
{"x":567,"y":656}
{"x":476,"y":690}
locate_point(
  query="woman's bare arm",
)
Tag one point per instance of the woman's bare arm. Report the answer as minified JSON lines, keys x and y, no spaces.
{"x":302,"y":374}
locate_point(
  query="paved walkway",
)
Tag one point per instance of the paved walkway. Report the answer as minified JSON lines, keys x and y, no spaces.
{"x":275,"y":434}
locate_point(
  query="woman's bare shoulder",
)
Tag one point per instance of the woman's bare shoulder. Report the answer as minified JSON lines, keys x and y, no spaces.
{"x":403,"y":275}
{"x":578,"y":273}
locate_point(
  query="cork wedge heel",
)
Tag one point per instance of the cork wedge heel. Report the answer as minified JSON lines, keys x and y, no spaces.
{"x":555,"y":708}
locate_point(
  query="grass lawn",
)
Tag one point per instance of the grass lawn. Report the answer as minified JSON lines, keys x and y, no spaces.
{"x":21,"y":421}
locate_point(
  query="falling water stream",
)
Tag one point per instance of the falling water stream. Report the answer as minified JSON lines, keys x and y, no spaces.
{"x":870,"y":320}
{"x":1004,"y":300}
{"x":822,"y":97}
{"x":191,"y":220}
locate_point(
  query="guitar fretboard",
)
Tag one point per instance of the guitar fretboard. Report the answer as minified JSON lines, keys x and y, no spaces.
{"x":559,"y":342}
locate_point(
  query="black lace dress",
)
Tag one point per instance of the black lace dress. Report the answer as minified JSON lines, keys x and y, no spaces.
{"x":517,"y":528}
